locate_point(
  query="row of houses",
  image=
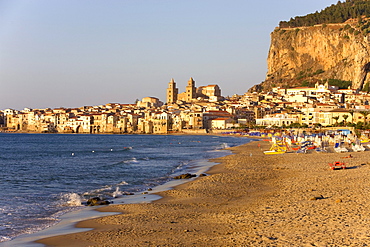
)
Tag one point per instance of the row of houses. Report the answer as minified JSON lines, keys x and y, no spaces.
{"x":121,"y":118}
{"x":320,"y":105}
{"x":314,"y":116}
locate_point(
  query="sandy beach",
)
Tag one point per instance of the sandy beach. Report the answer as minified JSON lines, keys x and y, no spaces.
{"x":249,"y":199}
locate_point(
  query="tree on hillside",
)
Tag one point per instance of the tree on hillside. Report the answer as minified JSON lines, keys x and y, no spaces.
{"x":345,"y":119}
{"x":352,"y":113}
{"x":336,"y":13}
{"x":336,"y":118}
{"x":364,"y":114}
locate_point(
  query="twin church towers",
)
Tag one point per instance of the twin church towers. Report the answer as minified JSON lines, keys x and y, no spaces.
{"x":211,"y":92}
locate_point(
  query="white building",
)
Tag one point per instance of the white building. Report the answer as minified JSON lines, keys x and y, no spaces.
{"x":223,"y":123}
{"x":278,"y":120}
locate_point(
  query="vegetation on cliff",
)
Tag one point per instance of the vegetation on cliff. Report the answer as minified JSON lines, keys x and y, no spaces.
{"x":336,"y":13}
{"x":331,"y":46}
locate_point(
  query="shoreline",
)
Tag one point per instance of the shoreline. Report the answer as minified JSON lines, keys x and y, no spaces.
{"x":67,"y":222}
{"x":248,"y":199}
{"x":159,"y":194}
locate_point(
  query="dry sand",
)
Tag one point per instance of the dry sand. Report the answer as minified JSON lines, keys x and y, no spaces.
{"x":249,"y":199}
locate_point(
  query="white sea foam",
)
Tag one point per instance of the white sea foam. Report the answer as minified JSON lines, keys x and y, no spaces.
{"x":4,"y":238}
{"x":219,"y":148}
{"x":180,"y":166}
{"x":117,"y":193}
{"x":105,"y":188}
{"x":123,"y":183}
{"x":132,"y":160}
{"x":225,"y":145}
{"x":72,"y":199}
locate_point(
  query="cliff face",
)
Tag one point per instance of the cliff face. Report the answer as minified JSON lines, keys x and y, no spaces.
{"x":311,"y":54}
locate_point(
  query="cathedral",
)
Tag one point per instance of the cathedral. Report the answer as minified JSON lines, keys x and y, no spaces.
{"x":210,"y":92}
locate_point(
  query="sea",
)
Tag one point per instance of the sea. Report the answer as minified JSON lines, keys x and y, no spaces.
{"x":45,"y":176}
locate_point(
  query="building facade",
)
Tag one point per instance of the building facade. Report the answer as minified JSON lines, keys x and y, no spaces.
{"x":172,"y":92}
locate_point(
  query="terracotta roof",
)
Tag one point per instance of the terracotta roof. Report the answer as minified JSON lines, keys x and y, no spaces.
{"x":220,"y":119}
{"x":301,"y":88}
{"x":339,"y":110}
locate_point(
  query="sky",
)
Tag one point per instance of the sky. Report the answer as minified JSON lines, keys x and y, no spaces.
{"x":75,"y":53}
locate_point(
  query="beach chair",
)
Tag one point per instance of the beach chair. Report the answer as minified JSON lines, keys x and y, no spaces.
{"x":302,"y":150}
{"x":339,"y":149}
{"x":318,"y":149}
{"x":337,"y":165}
{"x":358,"y":148}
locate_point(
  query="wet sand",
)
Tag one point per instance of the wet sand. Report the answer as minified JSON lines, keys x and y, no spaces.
{"x":249,"y":199}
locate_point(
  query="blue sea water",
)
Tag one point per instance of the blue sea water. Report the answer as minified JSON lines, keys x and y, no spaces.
{"x":43,"y":176}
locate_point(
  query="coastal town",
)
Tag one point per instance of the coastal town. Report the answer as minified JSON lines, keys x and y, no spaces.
{"x":102,"y":143}
{"x":200,"y":109}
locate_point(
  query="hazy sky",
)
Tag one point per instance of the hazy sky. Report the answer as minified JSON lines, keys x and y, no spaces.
{"x":72,"y":53}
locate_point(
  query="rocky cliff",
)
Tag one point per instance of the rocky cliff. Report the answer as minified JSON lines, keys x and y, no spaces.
{"x":302,"y":56}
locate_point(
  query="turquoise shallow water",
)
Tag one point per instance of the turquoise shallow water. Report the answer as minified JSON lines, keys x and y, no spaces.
{"x":43,"y":176}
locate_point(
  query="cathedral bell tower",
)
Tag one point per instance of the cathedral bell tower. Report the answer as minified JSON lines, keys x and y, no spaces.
{"x":190,"y":90}
{"x":172,"y":92}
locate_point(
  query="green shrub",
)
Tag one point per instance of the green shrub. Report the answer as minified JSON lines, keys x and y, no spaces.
{"x":340,"y":83}
{"x":336,"y":13}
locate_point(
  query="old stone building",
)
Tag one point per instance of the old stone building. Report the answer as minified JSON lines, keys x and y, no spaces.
{"x":210,"y":92}
{"x":172,"y":92}
{"x":150,"y":102}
